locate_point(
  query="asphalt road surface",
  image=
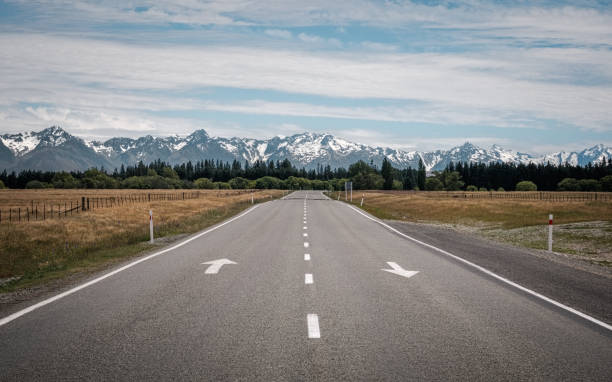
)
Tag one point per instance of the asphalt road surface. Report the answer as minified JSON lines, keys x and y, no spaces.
{"x":318,"y":292}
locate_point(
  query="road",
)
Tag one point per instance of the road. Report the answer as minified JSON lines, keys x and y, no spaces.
{"x":318,"y":292}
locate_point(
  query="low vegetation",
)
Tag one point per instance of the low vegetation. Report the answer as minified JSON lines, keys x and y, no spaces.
{"x":37,"y":251}
{"x":582,"y":228}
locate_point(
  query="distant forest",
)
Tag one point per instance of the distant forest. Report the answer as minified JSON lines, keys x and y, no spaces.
{"x":283,"y":175}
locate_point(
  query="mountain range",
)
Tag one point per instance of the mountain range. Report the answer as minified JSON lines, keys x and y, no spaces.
{"x":55,"y":149}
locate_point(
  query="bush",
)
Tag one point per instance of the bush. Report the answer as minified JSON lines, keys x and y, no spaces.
{"x":94,"y":178}
{"x":483,"y":189}
{"x":397,"y":185}
{"x":568,"y":184}
{"x":433,"y":184}
{"x":36,"y":184}
{"x":589,"y":185}
{"x":471,"y":188}
{"x":606,"y":183}
{"x":149,"y":182}
{"x":2,"y":186}
{"x":222,"y":186}
{"x":204,"y":183}
{"x":267,"y":182}
{"x":239,"y":183}
{"x":526,"y":185}
{"x":501,"y":189}
{"x":64,"y":180}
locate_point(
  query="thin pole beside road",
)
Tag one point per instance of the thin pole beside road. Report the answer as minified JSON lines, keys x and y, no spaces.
{"x":151,"y":225}
{"x":550,"y":232}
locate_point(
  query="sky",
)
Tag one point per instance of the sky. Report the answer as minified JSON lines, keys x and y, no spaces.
{"x":533,"y":76}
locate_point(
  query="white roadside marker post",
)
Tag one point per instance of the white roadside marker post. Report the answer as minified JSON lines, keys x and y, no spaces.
{"x":252,"y":200}
{"x":550,"y":231}
{"x":362,"y":196}
{"x":151,"y":225}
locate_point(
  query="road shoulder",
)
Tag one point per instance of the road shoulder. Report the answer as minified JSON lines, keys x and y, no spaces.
{"x":583,"y":286}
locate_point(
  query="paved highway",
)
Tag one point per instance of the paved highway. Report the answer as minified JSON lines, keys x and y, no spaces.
{"x":302,"y":289}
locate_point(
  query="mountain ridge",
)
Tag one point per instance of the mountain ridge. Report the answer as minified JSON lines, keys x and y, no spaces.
{"x":55,"y":149}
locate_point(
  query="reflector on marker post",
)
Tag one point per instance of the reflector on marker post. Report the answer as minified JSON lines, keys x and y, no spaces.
{"x":550,"y":232}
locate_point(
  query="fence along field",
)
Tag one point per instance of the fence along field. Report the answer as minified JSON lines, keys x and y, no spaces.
{"x":583,"y":221}
{"x":24,"y":206}
{"x":548,"y":196}
{"x":114,"y":225}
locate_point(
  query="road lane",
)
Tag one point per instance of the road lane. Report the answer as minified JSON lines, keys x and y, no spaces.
{"x":255,"y":320}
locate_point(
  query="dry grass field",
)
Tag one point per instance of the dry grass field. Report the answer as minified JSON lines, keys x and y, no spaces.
{"x":33,"y":251}
{"x":582,"y":228}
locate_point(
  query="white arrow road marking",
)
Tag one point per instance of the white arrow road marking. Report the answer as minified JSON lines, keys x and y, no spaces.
{"x":313,"y":326}
{"x":16,"y":315}
{"x":215,"y":265}
{"x":399,"y":270}
{"x":488,"y":272}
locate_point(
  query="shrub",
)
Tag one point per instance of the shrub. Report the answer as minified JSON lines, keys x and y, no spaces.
{"x":526,"y":185}
{"x":483,"y":189}
{"x":606,"y":183}
{"x":267,"y":182}
{"x":589,"y":185}
{"x":222,"y":186}
{"x":471,"y":188}
{"x":2,"y":186}
{"x":433,"y":184}
{"x":239,"y":183}
{"x":36,"y":184}
{"x":397,"y":185}
{"x":204,"y":183}
{"x":501,"y":189}
{"x":568,"y":184}
{"x":64,"y":180}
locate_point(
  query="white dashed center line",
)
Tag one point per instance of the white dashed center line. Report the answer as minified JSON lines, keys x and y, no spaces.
{"x":308,"y":278}
{"x":305,"y":227}
{"x":305,"y":234}
{"x":313,"y":326}
{"x":307,"y":257}
{"x":306,"y":244}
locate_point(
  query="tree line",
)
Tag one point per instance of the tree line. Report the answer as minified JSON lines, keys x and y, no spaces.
{"x":283,"y":175}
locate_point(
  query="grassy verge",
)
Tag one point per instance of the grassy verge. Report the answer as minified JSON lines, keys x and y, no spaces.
{"x":35,"y":253}
{"x":583,"y":229}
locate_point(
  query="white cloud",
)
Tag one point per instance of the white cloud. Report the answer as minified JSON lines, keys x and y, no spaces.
{"x":498,"y":88}
{"x":279,"y":33}
{"x":379,"y":46}
{"x":314,"y":39}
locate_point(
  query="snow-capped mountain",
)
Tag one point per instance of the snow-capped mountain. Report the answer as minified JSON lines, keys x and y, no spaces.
{"x":56,"y":149}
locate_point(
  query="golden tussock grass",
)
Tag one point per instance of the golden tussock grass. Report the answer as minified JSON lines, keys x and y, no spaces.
{"x":582,"y":228}
{"x":505,"y":213}
{"x":31,"y":249}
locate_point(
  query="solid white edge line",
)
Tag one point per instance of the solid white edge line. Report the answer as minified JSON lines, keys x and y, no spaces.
{"x":488,"y":272}
{"x":313,"y":326}
{"x":31,"y":308}
{"x":308,"y":279}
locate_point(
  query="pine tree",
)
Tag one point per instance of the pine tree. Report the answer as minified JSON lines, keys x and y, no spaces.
{"x":387,"y":174}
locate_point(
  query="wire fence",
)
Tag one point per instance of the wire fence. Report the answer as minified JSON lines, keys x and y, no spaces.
{"x":550,"y":196}
{"x":41,"y":210}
